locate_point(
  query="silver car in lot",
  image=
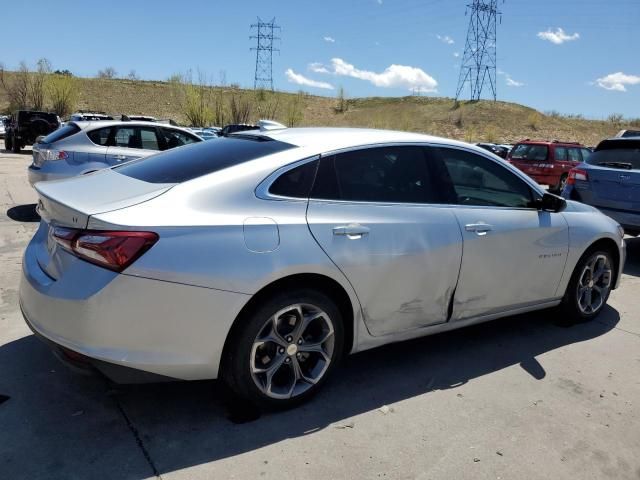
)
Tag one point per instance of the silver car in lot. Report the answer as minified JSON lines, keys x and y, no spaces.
{"x":84,"y":147}
{"x":264,"y":257}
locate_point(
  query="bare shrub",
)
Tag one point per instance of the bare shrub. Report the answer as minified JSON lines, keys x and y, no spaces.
{"x":132,"y":75}
{"x":239,"y":108}
{"x":295,"y":109}
{"x":342,"y":104}
{"x":17,"y":87}
{"x":267,"y":104}
{"x":491,"y":134}
{"x":197,"y":106}
{"x":457,"y":119}
{"x":37,"y":84}
{"x":63,"y":93}
{"x":108,"y":73}
{"x":615,"y":119}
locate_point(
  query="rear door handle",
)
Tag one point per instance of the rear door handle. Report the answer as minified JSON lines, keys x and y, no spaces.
{"x":478,"y":228}
{"x":353,"y":230}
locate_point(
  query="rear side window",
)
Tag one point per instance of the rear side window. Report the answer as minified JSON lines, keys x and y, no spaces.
{"x":622,"y":158}
{"x":149,"y":139}
{"x":586,"y":153}
{"x":574,"y":155}
{"x":395,"y":174}
{"x":193,"y":161}
{"x":561,"y":154}
{"x":296,"y":182}
{"x":100,"y":136}
{"x":525,"y":151}
{"x":61,"y":133}
{"x":126,"y":137}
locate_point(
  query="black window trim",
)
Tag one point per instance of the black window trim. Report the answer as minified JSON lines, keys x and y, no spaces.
{"x":262,"y":191}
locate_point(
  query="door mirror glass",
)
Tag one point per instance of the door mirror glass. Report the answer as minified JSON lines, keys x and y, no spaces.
{"x":552,"y":203}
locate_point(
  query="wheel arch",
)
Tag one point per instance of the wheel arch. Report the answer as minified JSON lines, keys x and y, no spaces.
{"x":323,"y":283}
{"x":611,"y":246}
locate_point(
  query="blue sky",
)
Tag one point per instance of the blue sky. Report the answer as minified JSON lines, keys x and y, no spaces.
{"x":590,"y":66}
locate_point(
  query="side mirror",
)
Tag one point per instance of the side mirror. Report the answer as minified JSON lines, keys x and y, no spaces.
{"x":552,"y":203}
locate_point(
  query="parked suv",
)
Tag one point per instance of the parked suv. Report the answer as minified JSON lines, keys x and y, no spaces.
{"x":25,"y":126}
{"x":84,"y":147}
{"x":610,"y":181}
{"x":89,"y":117}
{"x":548,"y":163}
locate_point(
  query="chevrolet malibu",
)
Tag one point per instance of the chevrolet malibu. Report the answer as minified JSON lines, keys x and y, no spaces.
{"x":264,"y":257}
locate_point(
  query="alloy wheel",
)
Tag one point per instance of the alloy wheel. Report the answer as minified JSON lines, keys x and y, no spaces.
{"x":594,"y":284}
{"x":293,"y":351}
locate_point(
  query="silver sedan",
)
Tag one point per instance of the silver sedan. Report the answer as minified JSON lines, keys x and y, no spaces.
{"x":264,"y":257}
{"x":84,"y":147}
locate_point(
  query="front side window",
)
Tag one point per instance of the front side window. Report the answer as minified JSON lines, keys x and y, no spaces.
{"x":476,"y":180}
{"x":394,"y":174}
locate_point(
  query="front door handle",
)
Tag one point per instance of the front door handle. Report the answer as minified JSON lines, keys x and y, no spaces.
{"x":352,"y":230}
{"x":478,"y":228}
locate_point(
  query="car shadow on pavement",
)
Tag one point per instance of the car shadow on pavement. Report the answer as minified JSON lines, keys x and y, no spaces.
{"x":24,"y":213}
{"x":632,"y":267}
{"x":57,"y":422}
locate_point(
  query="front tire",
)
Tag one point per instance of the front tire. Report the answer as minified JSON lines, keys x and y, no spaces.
{"x":15,"y":146}
{"x":285,"y":349}
{"x":8,"y":145}
{"x":589,"y":287}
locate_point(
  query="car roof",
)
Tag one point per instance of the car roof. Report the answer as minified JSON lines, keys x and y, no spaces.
{"x":618,"y":142}
{"x":327,"y":139}
{"x":85,"y":125}
{"x":549,"y":142}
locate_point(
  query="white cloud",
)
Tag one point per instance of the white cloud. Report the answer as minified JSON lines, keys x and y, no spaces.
{"x":558,"y":37}
{"x":510,"y":82}
{"x":299,"y":79}
{"x":329,"y":39}
{"x":456,"y":54}
{"x":379,"y":2}
{"x":446,"y":39}
{"x":513,"y":83}
{"x":394,"y":76}
{"x":617,"y":81}
{"x":317,"y":67}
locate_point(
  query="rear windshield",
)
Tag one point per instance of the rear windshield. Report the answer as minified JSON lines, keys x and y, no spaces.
{"x":623,"y":158}
{"x":192,"y":161}
{"x":61,"y":133}
{"x":525,"y":151}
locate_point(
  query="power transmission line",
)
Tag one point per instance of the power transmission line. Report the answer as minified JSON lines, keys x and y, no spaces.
{"x":264,"y":36}
{"x":478,"y":66}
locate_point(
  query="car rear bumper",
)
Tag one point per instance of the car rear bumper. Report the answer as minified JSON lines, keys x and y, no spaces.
{"x":111,"y":320}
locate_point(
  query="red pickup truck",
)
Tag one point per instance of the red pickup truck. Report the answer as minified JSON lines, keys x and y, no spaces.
{"x":548,"y":163}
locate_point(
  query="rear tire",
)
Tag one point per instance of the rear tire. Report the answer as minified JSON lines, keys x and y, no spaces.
{"x":15,"y":146}
{"x":589,"y":287}
{"x":8,"y":145}
{"x":284,"y":349}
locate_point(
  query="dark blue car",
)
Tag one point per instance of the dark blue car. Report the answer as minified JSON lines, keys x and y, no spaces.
{"x":610,"y":181}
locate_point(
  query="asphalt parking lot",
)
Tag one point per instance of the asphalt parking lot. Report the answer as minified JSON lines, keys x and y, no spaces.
{"x":521,"y":397}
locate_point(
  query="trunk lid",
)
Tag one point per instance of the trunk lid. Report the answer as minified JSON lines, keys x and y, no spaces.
{"x":71,"y":202}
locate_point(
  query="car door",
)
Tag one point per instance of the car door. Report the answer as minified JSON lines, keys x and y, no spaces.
{"x":514,"y":254}
{"x":131,"y":142}
{"x":372,"y":211}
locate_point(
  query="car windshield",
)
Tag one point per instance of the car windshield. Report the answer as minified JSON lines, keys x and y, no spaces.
{"x":525,"y":151}
{"x":192,"y":161}
{"x":623,"y":158}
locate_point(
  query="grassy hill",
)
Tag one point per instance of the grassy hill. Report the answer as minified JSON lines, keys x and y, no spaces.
{"x":469,"y":121}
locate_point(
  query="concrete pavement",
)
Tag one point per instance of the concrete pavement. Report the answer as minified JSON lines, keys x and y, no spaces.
{"x":516,"y":398}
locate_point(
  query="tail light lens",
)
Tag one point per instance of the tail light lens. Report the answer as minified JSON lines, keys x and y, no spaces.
{"x":49,"y":155}
{"x":577,"y":174}
{"x":115,"y":250}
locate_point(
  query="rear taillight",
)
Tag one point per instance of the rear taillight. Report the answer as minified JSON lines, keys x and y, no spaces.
{"x":49,"y":155}
{"x":113,"y":250}
{"x":577,"y":174}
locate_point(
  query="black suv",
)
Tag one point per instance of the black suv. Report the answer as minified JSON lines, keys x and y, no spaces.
{"x":24,"y":126}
